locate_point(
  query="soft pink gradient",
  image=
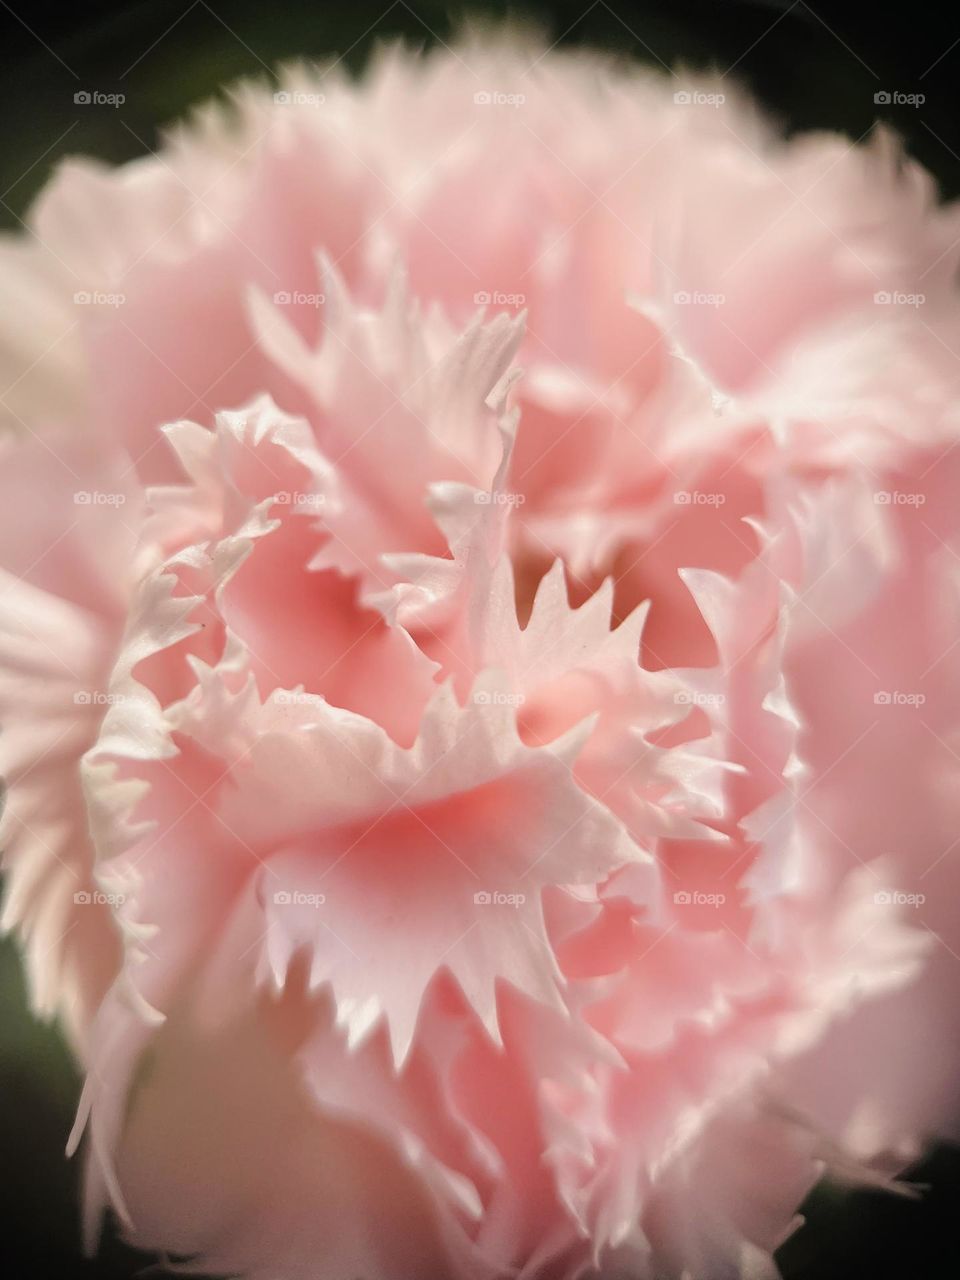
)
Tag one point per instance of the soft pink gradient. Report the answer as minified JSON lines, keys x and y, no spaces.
{"x":483,"y":780}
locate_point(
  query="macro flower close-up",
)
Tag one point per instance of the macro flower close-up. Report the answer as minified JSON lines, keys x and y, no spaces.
{"x":479,"y":686}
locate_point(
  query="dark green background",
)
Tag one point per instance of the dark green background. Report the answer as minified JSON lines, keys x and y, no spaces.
{"x":814,"y":66}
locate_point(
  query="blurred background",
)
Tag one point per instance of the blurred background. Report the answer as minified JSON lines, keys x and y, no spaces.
{"x":827,"y":65}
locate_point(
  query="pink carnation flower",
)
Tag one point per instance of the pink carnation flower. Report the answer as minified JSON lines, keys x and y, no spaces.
{"x":478,"y":690}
